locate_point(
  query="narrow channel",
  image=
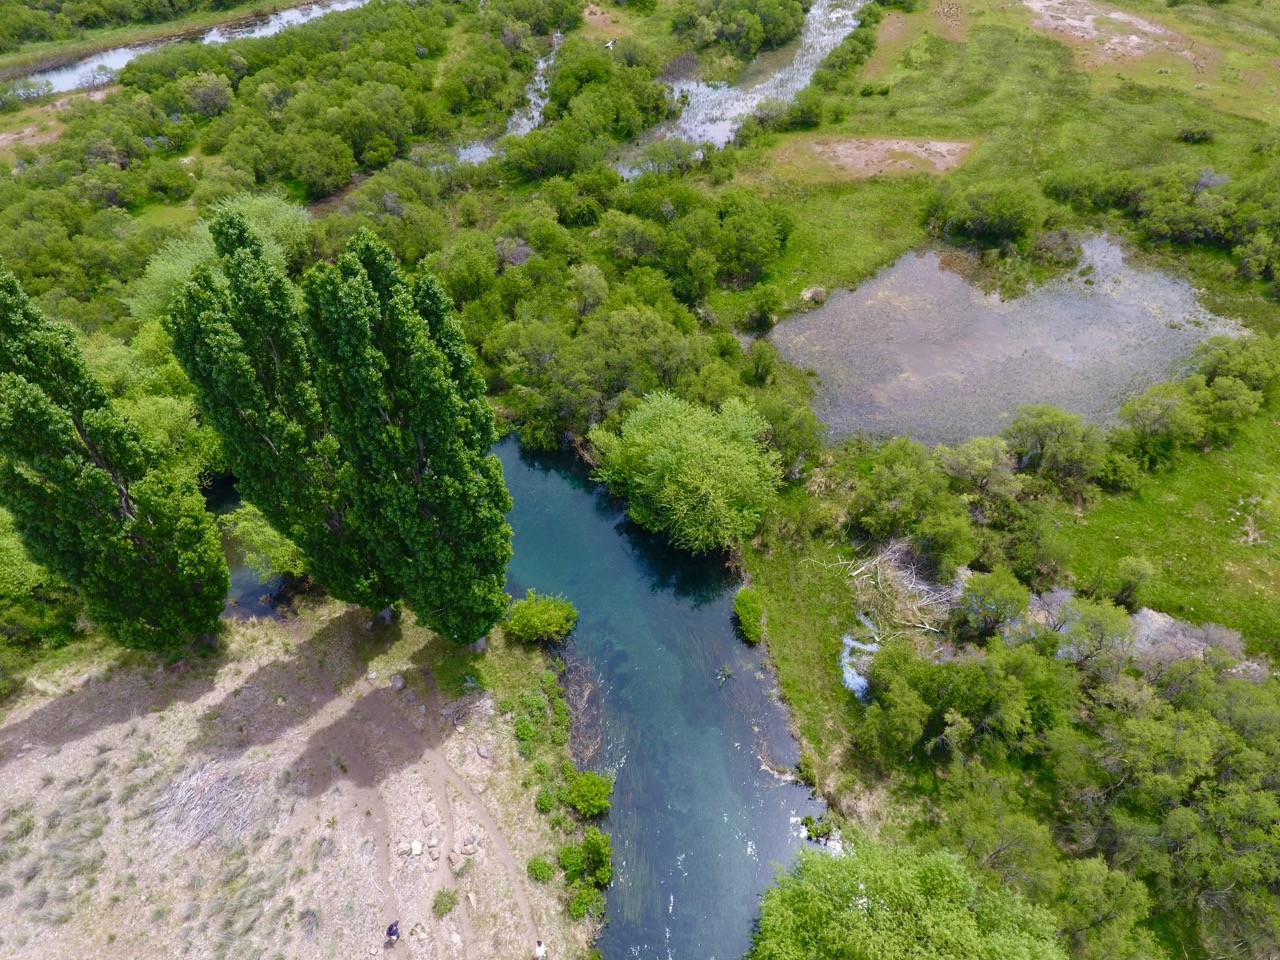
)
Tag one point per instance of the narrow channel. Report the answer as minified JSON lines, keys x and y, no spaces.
{"x":87,"y":71}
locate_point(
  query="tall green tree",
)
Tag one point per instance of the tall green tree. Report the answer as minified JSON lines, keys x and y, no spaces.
{"x":352,"y":416}
{"x":91,"y":500}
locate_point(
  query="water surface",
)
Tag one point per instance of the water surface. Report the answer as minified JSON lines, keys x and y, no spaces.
{"x":714,"y":111}
{"x":919,"y":350}
{"x":697,"y":823}
{"x":100,"y":67}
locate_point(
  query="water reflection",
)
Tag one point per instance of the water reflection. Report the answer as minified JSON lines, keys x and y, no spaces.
{"x":919,"y":350}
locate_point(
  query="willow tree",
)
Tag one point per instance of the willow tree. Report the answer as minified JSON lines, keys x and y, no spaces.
{"x":353,"y":417}
{"x":91,"y":500}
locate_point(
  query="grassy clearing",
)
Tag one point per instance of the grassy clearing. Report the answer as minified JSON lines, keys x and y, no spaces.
{"x":1209,"y":523}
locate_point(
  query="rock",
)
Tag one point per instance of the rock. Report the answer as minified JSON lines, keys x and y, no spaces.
{"x":403,"y":849}
{"x":480,"y":645}
{"x":85,"y":680}
{"x":397,"y":681}
{"x":434,"y":839}
{"x":435,"y":854}
{"x":25,"y":747}
{"x":374,"y":951}
{"x":816,"y":295}
{"x":455,"y":860}
{"x":458,"y":728}
{"x":483,"y":750}
{"x":468,"y":849}
{"x":371,"y":676}
{"x":422,"y":709}
{"x":415,"y":848}
{"x":457,"y":847}
{"x":471,"y":898}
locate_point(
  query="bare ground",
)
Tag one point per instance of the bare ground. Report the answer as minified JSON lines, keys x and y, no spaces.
{"x":868,"y":157}
{"x":1106,"y":34}
{"x":285,"y":801}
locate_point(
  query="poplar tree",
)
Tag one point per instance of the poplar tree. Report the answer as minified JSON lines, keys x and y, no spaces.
{"x":351,"y":412}
{"x":91,"y":500}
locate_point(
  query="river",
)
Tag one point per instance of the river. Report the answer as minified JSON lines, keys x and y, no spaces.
{"x":698,"y":823}
{"x":100,"y":66}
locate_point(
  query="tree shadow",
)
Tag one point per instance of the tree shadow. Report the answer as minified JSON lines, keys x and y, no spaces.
{"x":128,"y":694}
{"x":286,"y":693}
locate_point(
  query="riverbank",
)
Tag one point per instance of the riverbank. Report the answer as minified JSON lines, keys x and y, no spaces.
{"x":54,"y":54}
{"x":312,"y":798}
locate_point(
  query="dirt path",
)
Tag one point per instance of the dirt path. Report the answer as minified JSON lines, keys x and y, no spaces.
{"x":443,"y":774}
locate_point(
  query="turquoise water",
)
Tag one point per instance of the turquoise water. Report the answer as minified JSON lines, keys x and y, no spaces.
{"x":698,"y":824}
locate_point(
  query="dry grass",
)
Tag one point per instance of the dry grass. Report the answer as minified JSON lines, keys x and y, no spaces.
{"x":257,"y":806}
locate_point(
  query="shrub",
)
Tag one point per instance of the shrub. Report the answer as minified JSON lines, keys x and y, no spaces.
{"x":887,"y":901}
{"x":541,"y":618}
{"x":989,"y":601}
{"x":445,"y":901}
{"x":749,"y":611}
{"x":588,"y":793}
{"x":587,"y":902}
{"x":992,"y":215}
{"x":703,"y":478}
{"x":541,"y":870}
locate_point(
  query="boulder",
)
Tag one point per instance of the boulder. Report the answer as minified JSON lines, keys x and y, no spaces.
{"x":415,"y":848}
{"x":397,"y":681}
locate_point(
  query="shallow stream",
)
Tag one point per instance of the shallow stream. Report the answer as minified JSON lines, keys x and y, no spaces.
{"x":100,"y":66}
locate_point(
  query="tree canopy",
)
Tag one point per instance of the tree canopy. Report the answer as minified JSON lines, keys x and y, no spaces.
{"x":351,"y":415}
{"x":91,"y":499}
{"x":878,"y":902}
{"x":702,"y":477}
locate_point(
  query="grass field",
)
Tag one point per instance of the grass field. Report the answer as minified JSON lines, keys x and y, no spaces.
{"x":1209,"y":522}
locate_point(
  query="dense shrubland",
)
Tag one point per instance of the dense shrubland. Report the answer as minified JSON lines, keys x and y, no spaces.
{"x":743,"y":27}
{"x":22,"y":23}
{"x":878,"y":901}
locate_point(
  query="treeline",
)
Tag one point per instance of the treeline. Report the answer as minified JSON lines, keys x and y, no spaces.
{"x":1187,"y":205}
{"x":742,"y":27}
{"x":347,"y":408}
{"x":23,"y":22}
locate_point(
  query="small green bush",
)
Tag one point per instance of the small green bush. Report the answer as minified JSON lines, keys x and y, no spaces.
{"x":588,"y":793}
{"x":991,"y":215}
{"x":541,"y":618}
{"x":445,"y":901}
{"x":748,"y":608}
{"x":571,"y":860}
{"x":587,"y":902}
{"x":541,"y":870}
{"x":546,"y":801}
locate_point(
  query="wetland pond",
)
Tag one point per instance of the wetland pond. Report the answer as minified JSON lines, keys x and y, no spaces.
{"x":689,"y":720}
{"x":920,"y":350}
